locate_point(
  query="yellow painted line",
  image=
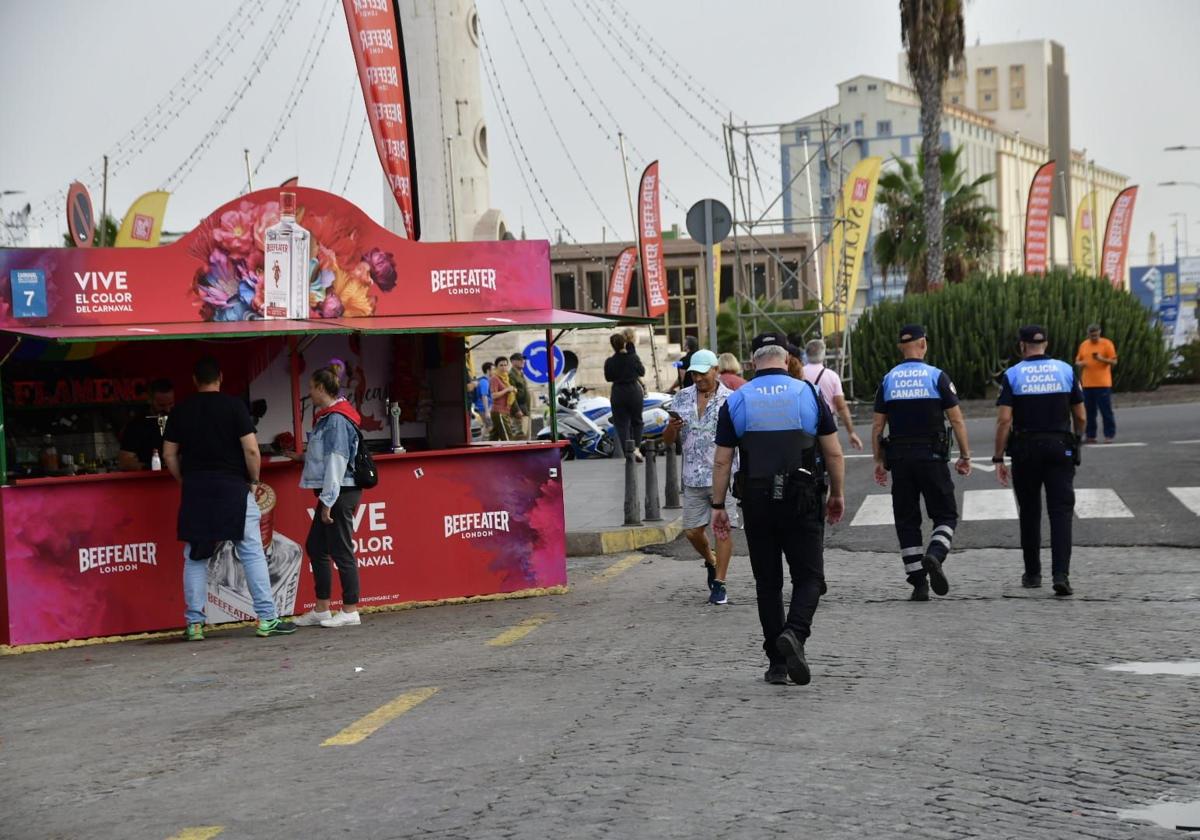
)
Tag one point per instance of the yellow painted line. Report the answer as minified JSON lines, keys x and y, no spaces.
{"x":200,"y":832}
{"x":365,"y":726}
{"x":624,"y":564}
{"x":514,"y":634}
{"x":16,"y":650}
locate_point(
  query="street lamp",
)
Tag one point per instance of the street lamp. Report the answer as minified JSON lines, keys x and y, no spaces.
{"x":1179,"y":184}
{"x":1187,"y":252}
{"x":1181,"y":149}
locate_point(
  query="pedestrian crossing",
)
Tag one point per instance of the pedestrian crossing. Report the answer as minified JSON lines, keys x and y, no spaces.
{"x":1000,"y":504}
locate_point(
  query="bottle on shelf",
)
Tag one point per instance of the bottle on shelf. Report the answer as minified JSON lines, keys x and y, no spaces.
{"x":155,"y":461}
{"x":286,"y":255}
{"x":48,"y":456}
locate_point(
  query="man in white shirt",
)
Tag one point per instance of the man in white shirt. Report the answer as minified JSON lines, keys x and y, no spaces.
{"x":830,"y":386}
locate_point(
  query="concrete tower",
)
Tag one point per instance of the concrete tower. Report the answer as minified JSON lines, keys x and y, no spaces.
{"x":451,"y":140}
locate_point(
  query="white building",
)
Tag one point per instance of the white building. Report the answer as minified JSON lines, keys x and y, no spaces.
{"x":451,"y":144}
{"x":877,"y":117}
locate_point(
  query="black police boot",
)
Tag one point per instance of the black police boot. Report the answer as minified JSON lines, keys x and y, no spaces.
{"x":920,"y":590}
{"x":824,"y":588}
{"x":792,"y":649}
{"x":1062,"y":586}
{"x":776,"y":674}
{"x":1031,"y":581}
{"x":937,"y":578}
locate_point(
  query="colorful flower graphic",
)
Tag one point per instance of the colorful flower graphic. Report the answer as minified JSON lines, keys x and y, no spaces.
{"x":343,"y":281}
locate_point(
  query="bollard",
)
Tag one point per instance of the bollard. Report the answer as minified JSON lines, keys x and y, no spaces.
{"x":653,"y":514}
{"x":672,"y":470}
{"x":633,"y":514}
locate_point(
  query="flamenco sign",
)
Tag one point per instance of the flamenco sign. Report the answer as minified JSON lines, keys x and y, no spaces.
{"x":353,"y":268}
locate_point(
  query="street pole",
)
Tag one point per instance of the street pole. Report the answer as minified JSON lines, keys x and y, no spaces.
{"x":710,"y":281}
{"x":1067,"y":214}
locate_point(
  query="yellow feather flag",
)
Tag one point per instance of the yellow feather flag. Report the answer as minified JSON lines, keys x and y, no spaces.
{"x":142,"y":225}
{"x":848,"y":243}
{"x":1085,"y":235}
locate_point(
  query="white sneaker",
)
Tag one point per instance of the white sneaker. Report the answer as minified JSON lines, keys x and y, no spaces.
{"x":342,"y":619}
{"x":312,"y":618}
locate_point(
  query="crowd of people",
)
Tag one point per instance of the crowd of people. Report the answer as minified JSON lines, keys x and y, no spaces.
{"x":772,"y":444}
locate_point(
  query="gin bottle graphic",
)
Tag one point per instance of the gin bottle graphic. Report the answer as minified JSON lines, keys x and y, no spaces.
{"x":286,"y":254}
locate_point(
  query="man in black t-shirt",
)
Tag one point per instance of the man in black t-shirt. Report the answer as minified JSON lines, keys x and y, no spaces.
{"x":210,"y":447}
{"x":142,"y":435}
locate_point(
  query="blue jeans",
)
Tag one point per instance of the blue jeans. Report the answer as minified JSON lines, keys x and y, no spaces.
{"x":250,"y":552}
{"x":1100,"y":398}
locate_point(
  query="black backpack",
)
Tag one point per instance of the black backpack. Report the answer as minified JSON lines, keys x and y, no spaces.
{"x":366,"y":474}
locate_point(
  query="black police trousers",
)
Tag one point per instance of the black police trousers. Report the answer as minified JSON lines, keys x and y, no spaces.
{"x":795,"y":530}
{"x":1044,"y":463}
{"x":914,"y":479}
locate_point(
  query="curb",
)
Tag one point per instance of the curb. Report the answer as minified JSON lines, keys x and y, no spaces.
{"x":622,"y":539}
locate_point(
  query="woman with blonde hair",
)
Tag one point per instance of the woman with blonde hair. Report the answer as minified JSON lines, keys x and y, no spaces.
{"x":729,"y":371}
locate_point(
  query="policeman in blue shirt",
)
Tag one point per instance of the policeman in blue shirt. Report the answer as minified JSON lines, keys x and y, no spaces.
{"x":911,"y":401}
{"x":1039,"y":399}
{"x":787,"y":443}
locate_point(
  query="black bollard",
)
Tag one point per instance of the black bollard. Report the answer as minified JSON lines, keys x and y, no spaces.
{"x":653,"y":514}
{"x":633,"y":514}
{"x":672,"y":469}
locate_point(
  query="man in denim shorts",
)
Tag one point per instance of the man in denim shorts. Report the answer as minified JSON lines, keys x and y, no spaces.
{"x":694,"y":412}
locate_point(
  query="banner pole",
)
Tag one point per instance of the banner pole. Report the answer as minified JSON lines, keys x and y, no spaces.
{"x":249,"y":179}
{"x":103,"y":202}
{"x":637,"y":244}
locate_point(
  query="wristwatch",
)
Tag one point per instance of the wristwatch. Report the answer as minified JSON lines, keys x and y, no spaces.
{"x":718,"y":506}
{"x":997,"y":459}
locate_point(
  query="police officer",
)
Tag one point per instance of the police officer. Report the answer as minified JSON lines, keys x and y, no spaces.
{"x":787,"y":443}
{"x":1039,"y":399}
{"x":911,"y":401}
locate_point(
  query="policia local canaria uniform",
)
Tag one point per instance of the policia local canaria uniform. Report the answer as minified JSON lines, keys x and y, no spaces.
{"x":915,"y":396}
{"x":774,"y":421}
{"x":1044,"y":452}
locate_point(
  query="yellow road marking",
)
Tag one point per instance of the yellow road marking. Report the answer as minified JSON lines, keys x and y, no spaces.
{"x":200,"y":832}
{"x":520,"y":631}
{"x":367,"y":725}
{"x":620,"y":566}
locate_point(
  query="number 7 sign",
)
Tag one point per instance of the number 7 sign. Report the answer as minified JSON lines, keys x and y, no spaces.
{"x":28,"y":292}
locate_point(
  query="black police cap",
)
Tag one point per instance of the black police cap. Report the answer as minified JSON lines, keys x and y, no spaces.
{"x":1033,"y":334}
{"x":776,"y":339}
{"x":911,"y":332}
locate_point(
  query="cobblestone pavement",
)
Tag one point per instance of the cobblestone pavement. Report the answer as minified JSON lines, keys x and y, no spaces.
{"x":635,"y":710}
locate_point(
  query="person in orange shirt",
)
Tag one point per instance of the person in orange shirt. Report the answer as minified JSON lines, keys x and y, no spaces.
{"x":1095,"y":359}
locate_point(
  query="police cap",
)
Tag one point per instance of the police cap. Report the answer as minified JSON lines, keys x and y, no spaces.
{"x":777,"y":339}
{"x":911,"y":332}
{"x":1033,"y":334}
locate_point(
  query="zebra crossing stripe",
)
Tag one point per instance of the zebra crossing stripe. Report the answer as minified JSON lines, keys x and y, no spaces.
{"x":1100,"y":503}
{"x":1189,"y":496}
{"x":876,"y":509}
{"x":989,"y":504}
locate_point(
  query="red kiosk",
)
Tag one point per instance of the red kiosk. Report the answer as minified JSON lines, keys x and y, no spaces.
{"x":88,"y":551}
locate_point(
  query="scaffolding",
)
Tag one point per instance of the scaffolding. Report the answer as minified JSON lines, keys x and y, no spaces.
{"x":751,"y":224}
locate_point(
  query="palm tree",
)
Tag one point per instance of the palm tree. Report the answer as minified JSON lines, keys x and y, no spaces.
{"x":933,"y":34}
{"x":903,"y":243}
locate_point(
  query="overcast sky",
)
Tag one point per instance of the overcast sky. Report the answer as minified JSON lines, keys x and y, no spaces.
{"x":80,"y":75}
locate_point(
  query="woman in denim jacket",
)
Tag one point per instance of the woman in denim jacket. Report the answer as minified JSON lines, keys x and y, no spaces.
{"x":329,"y":473}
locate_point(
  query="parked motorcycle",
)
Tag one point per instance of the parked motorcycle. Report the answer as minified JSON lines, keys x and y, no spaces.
{"x":586,"y":439}
{"x":598,"y":410}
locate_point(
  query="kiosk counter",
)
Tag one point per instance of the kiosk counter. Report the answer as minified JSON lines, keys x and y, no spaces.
{"x":90,"y":549}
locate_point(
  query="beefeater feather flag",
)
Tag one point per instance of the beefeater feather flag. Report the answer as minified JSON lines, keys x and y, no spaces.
{"x":378,"y":42}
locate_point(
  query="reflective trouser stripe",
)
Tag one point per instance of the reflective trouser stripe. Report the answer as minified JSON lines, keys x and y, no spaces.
{"x":913,"y":551}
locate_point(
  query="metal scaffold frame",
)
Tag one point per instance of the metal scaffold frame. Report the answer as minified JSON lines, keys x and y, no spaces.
{"x":750,"y":225}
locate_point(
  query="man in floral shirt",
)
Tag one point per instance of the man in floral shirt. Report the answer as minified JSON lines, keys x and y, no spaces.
{"x":694,"y":413}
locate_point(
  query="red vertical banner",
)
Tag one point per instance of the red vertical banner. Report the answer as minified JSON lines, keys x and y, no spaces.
{"x":654,"y":273}
{"x":1037,"y":220}
{"x":1116,"y":236}
{"x":618,"y":284}
{"x":378,"y":43}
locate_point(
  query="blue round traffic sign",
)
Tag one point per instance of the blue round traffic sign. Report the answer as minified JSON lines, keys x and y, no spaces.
{"x":537,"y":362}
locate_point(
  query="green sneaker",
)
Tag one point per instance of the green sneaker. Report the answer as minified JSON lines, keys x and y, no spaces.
{"x":194,"y":633}
{"x":275,"y":627}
